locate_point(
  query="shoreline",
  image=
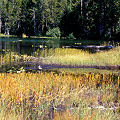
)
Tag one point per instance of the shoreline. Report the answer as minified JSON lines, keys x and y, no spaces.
{"x":52,"y":66}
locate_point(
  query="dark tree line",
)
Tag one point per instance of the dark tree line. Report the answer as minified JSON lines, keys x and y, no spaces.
{"x":31,"y":17}
{"x":86,"y":19}
{"x":92,"y":19}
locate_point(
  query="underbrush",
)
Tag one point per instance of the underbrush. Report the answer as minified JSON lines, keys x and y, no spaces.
{"x":59,"y":96}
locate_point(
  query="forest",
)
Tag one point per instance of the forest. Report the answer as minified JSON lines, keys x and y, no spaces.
{"x":81,"y":19}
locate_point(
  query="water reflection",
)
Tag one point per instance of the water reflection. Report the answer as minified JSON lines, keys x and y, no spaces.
{"x":0,"y":44}
{"x":23,"y":47}
{"x":30,"y":45}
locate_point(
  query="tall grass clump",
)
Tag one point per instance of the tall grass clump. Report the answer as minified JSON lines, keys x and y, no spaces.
{"x":69,"y":56}
{"x":42,"y":95}
{"x":6,"y":57}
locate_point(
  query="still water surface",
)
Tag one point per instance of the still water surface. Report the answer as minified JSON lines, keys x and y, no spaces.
{"x":30,"y":45}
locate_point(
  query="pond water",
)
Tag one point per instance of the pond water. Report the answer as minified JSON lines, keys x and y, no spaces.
{"x":30,"y":45}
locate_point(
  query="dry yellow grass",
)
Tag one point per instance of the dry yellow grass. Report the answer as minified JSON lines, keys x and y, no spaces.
{"x":21,"y":93}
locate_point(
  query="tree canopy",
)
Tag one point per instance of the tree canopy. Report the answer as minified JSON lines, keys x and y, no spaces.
{"x":86,"y":19}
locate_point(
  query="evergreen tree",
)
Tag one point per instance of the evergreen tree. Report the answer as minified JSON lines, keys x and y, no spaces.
{"x":87,"y":19}
{"x":94,"y":19}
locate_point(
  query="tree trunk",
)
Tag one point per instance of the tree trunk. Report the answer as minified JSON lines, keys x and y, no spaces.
{"x":0,"y":24}
{"x":111,"y":31}
{"x":35,"y":31}
{"x":105,"y":17}
{"x":101,"y":19}
{"x":119,"y":25}
{"x":24,"y":27}
{"x":6,"y":29}
{"x":81,"y":6}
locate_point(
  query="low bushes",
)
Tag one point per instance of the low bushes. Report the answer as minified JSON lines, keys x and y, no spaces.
{"x":55,"y":32}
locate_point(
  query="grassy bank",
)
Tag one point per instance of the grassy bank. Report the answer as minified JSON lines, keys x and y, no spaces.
{"x":61,"y":56}
{"x":59,"y":96}
{"x":3,"y":35}
{"x":88,"y":70}
{"x":46,"y":37}
{"x":79,"y":57}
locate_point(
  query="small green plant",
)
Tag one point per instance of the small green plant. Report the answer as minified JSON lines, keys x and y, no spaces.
{"x":3,"y":35}
{"x":55,"y":32}
{"x":71,"y":36}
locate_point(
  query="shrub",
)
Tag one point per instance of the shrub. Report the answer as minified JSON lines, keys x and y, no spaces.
{"x":71,"y":36}
{"x":55,"y":32}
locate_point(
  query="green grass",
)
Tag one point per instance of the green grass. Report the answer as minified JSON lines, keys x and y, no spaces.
{"x":42,"y":37}
{"x":78,"y":57}
{"x":87,"y":70}
{"x":2,"y":35}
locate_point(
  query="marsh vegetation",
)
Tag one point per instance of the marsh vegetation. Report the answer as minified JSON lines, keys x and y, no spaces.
{"x":76,"y":96}
{"x":66,"y":56}
{"x":60,"y":93}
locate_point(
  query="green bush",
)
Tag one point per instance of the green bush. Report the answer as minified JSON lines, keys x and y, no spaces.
{"x":71,"y":36}
{"x":55,"y":32}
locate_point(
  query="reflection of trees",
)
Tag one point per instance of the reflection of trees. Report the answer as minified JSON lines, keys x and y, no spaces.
{"x":22,"y":47}
{"x":5,"y":46}
{"x":18,"y":47}
{"x":0,"y":44}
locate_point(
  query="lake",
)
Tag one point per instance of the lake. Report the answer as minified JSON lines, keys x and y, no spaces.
{"x":30,"y":45}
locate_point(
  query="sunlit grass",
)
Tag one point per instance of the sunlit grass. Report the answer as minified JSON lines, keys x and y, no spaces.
{"x":88,"y":70}
{"x":3,"y":35}
{"x":80,"y":57}
{"x":30,"y":95}
{"x":65,"y":56}
{"x":94,"y":114}
{"x":6,"y":57}
{"x":33,"y":95}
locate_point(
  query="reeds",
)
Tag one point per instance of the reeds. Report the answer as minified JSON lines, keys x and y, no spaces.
{"x":55,"y":96}
{"x":32,"y":95}
{"x":65,"y":56}
{"x":69,"y":56}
